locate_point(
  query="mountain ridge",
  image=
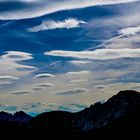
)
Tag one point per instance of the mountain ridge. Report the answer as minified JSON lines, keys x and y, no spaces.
{"x":118,"y":115}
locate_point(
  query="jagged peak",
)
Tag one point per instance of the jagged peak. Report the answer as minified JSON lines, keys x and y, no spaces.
{"x":20,"y":113}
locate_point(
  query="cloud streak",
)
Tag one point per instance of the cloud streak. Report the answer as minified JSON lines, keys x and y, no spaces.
{"x":78,"y":73}
{"x":44,"y":85}
{"x":80,"y":62}
{"x":22,"y":92}
{"x":72,"y":91}
{"x":99,"y":54}
{"x":7,"y":77}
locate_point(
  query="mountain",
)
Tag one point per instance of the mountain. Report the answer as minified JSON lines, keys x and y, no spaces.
{"x":17,"y":117}
{"x":119,"y":116}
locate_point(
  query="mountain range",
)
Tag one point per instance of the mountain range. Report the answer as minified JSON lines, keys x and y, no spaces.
{"x":116,"y":118}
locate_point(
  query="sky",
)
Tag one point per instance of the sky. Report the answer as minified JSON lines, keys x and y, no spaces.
{"x":67,"y":54}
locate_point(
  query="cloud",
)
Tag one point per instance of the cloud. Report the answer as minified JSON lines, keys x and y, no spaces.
{"x":17,"y":56}
{"x":5,"y":83}
{"x":52,"y":25}
{"x":72,"y":107}
{"x":44,"y":85}
{"x":8,"y":108}
{"x":99,"y":54}
{"x":10,"y":64}
{"x":101,"y":87}
{"x":122,"y":42}
{"x":130,"y":31}
{"x":37,"y":88}
{"x":80,"y":62}
{"x":22,"y":92}
{"x":7,"y":77}
{"x":78,"y":73}
{"x":34,"y":105}
{"x":78,"y":81}
{"x":24,"y":9}
{"x":44,"y":75}
{"x":72,"y":91}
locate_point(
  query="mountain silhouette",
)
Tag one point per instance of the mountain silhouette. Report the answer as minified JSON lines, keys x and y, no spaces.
{"x":17,"y":117}
{"x":118,"y":117}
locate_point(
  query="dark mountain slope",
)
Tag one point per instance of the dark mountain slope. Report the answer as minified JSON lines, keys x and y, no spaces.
{"x":119,"y":116}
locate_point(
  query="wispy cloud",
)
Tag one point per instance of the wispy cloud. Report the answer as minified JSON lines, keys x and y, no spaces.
{"x":9,"y":108}
{"x":52,"y":25}
{"x":101,"y":87}
{"x":72,"y":91}
{"x":78,"y":81}
{"x":44,"y":85}
{"x":7,"y":77}
{"x":130,"y":31}
{"x":78,"y":73}
{"x":80,"y":62}
{"x":72,"y":107}
{"x":99,"y":54}
{"x":22,"y":92}
{"x":5,"y":83}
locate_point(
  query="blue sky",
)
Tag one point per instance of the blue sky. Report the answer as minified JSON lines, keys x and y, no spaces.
{"x":67,"y":57}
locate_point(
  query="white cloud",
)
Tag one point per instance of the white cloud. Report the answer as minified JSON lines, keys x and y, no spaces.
{"x":78,"y":81}
{"x":78,"y":73}
{"x":99,"y":54}
{"x":7,"y":77}
{"x":44,"y":75}
{"x":43,"y":7}
{"x":80,"y":62}
{"x":52,"y":25}
{"x":130,"y":31}
{"x":17,"y":56}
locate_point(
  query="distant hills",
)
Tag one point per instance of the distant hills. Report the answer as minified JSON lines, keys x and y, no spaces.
{"x":118,"y":117}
